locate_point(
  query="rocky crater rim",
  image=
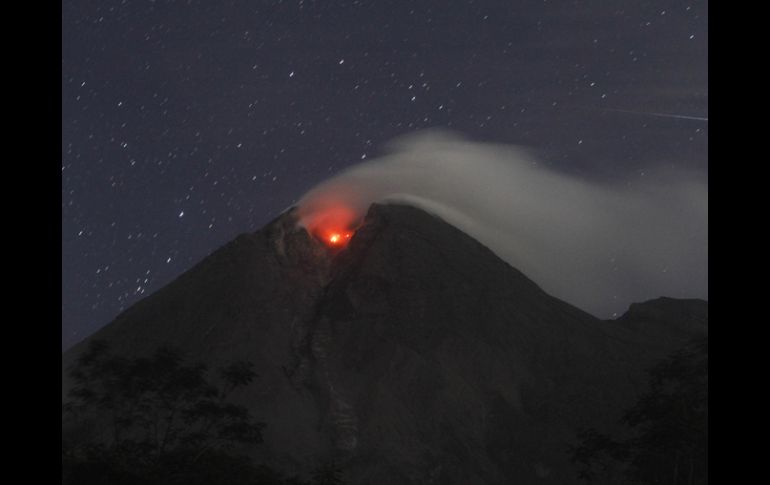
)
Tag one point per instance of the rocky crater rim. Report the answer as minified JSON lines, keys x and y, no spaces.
{"x":333,"y":226}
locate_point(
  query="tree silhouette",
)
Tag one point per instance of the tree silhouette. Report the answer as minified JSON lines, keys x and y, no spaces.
{"x":668,"y":425}
{"x":155,"y":420}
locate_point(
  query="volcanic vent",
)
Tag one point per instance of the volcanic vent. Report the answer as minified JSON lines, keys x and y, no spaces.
{"x":411,"y":355}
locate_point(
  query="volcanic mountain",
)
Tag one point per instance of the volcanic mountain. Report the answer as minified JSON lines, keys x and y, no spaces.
{"x":411,"y":355}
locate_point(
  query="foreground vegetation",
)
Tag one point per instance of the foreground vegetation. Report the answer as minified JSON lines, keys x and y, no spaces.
{"x":666,"y":431}
{"x":158,"y":420}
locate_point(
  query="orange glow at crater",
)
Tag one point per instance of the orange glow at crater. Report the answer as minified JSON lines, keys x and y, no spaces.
{"x":338,"y":238}
{"x":332,"y":223}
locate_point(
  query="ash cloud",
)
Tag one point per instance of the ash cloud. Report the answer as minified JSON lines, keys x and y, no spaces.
{"x":596,"y":245}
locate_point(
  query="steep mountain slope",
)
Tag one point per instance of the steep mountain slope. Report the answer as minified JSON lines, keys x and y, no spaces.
{"x":413,"y":355}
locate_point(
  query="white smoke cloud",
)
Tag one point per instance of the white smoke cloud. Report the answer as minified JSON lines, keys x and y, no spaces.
{"x":598,"y":246}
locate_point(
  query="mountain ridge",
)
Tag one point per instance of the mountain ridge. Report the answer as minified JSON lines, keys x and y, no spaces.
{"x":412,"y":355}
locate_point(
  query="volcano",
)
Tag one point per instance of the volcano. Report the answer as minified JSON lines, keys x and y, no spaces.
{"x":411,"y":354}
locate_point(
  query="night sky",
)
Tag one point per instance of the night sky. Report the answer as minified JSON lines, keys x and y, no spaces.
{"x":186,"y":123}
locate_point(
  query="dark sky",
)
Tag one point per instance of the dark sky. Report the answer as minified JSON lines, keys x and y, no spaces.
{"x":185,"y":123}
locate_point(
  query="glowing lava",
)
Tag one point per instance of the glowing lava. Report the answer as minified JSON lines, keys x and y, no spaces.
{"x":330,"y":221}
{"x":338,"y":239}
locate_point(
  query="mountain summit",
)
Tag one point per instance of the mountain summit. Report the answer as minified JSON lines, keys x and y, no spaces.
{"x":409,"y":354}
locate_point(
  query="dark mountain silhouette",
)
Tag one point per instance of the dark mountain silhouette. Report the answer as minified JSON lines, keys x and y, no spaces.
{"x":414,"y":355}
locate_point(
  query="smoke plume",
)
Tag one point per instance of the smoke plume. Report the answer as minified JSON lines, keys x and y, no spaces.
{"x":596,"y":245}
